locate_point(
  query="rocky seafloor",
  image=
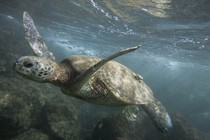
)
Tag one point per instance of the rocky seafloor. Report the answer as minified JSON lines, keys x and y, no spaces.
{"x":37,"y":111}
{"x":29,"y":111}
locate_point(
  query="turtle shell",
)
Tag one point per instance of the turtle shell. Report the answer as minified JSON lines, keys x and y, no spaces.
{"x":112,"y":84}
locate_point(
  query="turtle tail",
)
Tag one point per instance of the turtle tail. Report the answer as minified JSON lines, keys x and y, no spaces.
{"x":160,"y":118}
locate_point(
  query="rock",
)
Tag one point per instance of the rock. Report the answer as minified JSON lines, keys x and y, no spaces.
{"x":20,"y":104}
{"x":32,"y":134}
{"x":113,"y":127}
{"x":29,"y":109}
{"x":2,"y":65}
{"x":95,"y":113}
{"x":116,"y":127}
{"x":60,"y":120}
{"x":184,"y":129}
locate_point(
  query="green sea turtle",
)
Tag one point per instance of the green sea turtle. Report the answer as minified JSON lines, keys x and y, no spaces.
{"x":99,"y":81}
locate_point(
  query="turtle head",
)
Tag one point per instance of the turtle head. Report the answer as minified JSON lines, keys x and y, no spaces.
{"x":34,"y":68}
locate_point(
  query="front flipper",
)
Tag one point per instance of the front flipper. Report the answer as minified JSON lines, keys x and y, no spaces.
{"x":131,"y":112}
{"x":34,"y":38}
{"x":85,"y":76}
{"x":160,"y":118}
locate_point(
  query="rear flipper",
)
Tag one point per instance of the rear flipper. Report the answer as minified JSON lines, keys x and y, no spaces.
{"x":131,"y":112}
{"x":158,"y":115}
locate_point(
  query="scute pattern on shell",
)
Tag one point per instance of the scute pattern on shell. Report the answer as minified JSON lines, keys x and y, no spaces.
{"x":122,"y":83}
{"x":115,"y":82}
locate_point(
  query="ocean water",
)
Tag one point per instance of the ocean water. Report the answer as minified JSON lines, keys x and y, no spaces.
{"x":174,"y":59}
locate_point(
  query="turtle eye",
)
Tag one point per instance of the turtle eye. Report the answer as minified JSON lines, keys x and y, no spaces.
{"x":27,"y":64}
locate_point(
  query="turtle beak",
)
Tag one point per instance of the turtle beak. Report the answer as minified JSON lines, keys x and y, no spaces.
{"x":16,"y":62}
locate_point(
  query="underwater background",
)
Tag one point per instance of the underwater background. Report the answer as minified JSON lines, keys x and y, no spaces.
{"x":174,"y":61}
